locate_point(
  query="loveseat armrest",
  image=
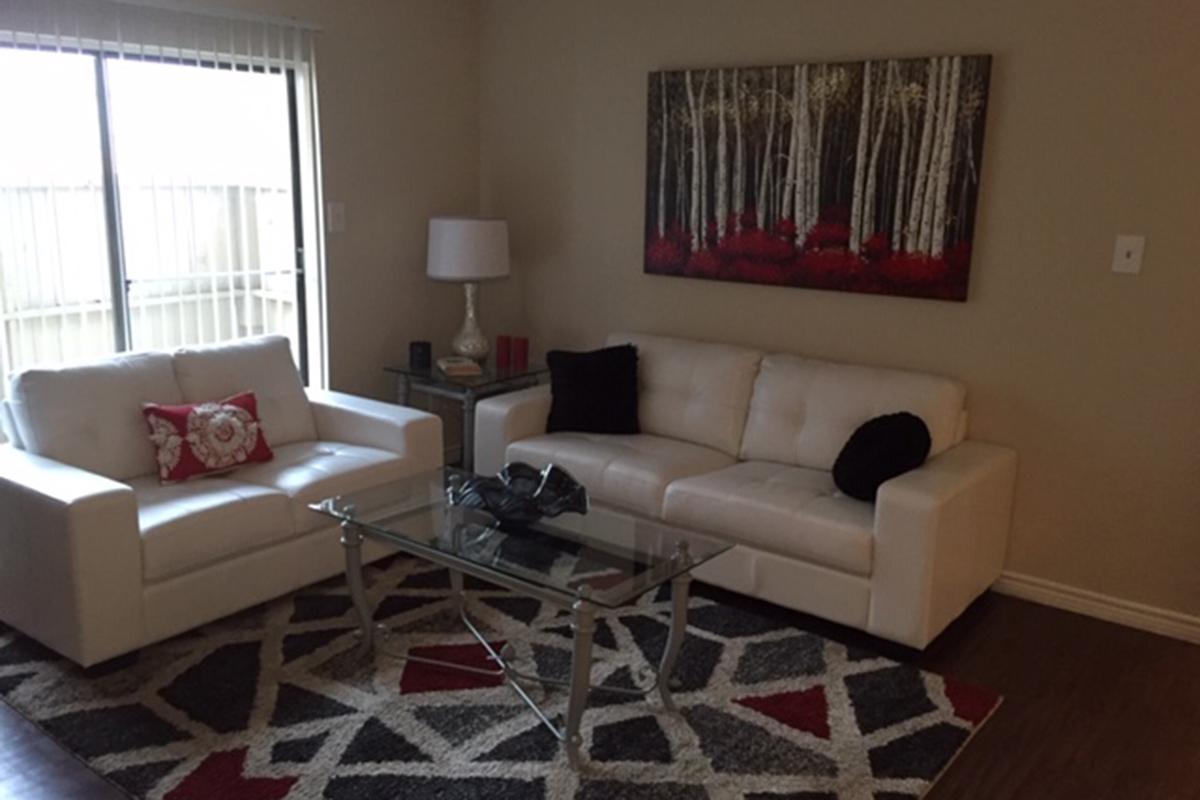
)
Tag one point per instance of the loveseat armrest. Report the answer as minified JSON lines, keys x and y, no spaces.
{"x":941,"y":533}
{"x":414,"y":435}
{"x":70,"y":557}
{"x":508,"y":418}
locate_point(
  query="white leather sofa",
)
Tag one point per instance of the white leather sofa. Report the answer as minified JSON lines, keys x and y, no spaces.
{"x":97,"y":558}
{"x":740,"y":443}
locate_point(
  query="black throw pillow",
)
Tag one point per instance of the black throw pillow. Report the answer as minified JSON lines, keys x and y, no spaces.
{"x":594,"y":392}
{"x":879,"y":450}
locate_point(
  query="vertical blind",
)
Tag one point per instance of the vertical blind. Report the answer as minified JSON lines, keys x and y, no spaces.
{"x":108,"y":243}
{"x":147,"y":29}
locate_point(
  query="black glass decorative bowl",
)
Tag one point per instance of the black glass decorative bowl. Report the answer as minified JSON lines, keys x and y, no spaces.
{"x":521,"y":494}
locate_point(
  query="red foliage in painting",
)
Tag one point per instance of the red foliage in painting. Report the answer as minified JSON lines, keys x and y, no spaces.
{"x":757,"y":245}
{"x":877,"y":247}
{"x":826,"y":235}
{"x":705,"y":264}
{"x":959,"y":257}
{"x":732,"y":245}
{"x":745,"y":269}
{"x":769,"y":247}
{"x":756,"y":256}
{"x":786,"y":229}
{"x":677,"y":232}
{"x":914,"y":268}
{"x":830,"y":267}
{"x":711,"y":234}
{"x":665,"y":254}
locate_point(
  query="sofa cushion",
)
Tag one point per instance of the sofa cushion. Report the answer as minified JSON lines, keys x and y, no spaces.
{"x":308,"y":472}
{"x":694,"y":391}
{"x":803,"y":411}
{"x":90,"y":415}
{"x":594,"y":392}
{"x":263,"y":365}
{"x":186,"y":526}
{"x":792,"y":511}
{"x":629,"y":471}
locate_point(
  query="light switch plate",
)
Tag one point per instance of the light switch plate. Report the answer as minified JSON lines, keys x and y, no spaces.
{"x":335,"y":217}
{"x":1127,"y":255}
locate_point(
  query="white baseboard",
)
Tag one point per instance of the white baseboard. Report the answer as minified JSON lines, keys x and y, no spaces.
{"x":1162,"y":621}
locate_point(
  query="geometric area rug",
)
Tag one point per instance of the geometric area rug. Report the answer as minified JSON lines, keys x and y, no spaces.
{"x":273,"y":703}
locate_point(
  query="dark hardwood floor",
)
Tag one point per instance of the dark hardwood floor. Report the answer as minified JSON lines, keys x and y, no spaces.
{"x":34,"y":767}
{"x":1092,"y":711}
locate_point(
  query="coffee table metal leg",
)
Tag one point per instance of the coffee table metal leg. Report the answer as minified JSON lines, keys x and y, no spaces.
{"x":679,"y":608}
{"x":352,"y":540}
{"x":456,"y":589}
{"x":583,"y":625}
{"x":468,"y":431}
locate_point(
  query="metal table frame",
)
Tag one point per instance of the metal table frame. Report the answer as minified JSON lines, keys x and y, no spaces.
{"x":436,"y":384}
{"x":582,"y":608}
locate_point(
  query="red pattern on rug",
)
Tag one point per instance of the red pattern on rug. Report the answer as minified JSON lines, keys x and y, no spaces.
{"x":419,"y":677}
{"x":221,"y":775}
{"x":279,"y":703}
{"x":806,"y":710}
{"x":971,"y":703}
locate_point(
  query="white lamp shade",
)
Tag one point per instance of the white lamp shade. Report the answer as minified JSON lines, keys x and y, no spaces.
{"x":467,"y":249}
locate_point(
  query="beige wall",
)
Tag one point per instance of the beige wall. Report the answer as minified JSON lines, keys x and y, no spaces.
{"x":399,"y":90}
{"x":1093,"y":129}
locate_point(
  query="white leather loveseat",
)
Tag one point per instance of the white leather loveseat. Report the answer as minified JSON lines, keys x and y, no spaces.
{"x":741,"y":444}
{"x":98,"y":559}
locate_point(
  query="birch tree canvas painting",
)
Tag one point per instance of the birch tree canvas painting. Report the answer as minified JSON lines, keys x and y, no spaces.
{"x":858,"y":177}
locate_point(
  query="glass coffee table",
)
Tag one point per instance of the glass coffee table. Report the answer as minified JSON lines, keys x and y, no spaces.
{"x":583,"y":562}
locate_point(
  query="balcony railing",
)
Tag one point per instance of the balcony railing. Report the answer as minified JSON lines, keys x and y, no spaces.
{"x":203,"y":264}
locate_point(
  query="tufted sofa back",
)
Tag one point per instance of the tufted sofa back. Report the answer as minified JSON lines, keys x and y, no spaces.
{"x":90,"y":415}
{"x":803,"y":410}
{"x":695,"y":391}
{"x":262,"y":364}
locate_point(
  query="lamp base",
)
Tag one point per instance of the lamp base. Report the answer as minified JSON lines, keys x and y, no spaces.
{"x":470,"y":341}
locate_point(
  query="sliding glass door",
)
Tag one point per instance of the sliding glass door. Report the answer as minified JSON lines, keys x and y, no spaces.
{"x":203,"y":167}
{"x":56,"y":298}
{"x":145,"y":203}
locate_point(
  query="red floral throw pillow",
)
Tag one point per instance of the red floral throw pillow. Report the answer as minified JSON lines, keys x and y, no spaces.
{"x":206,"y":438}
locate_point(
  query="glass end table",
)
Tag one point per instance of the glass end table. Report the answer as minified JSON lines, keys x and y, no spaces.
{"x":466,"y":389}
{"x":581,"y":562}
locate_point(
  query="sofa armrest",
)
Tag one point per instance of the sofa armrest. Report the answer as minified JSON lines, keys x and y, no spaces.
{"x":941,"y":533}
{"x":508,"y":418}
{"x":70,"y":557}
{"x":414,"y":435}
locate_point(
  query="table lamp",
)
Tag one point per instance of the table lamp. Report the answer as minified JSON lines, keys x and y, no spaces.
{"x":468,"y":250}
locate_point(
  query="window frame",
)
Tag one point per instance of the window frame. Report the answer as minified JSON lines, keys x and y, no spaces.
{"x":119,"y":282}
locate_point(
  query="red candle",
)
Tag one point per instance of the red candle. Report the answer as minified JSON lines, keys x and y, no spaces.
{"x":520,"y":352}
{"x":503,"y":351}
